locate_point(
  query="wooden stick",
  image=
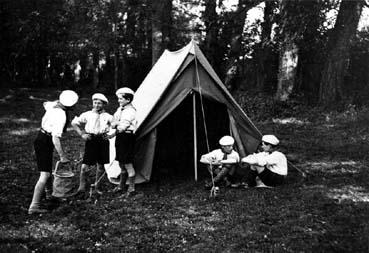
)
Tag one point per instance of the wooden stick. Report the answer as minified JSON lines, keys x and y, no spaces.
{"x":194,"y":133}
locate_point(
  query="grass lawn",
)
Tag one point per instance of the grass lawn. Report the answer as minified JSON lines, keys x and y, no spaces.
{"x":326,"y":212}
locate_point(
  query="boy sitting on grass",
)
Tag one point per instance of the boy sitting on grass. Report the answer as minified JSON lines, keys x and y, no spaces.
{"x":96,"y":125}
{"x":270,"y":165}
{"x":222,"y":162}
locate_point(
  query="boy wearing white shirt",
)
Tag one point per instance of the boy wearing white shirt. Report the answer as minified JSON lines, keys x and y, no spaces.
{"x":125,"y":126}
{"x":96,"y":123}
{"x":222,"y":161}
{"x":53,"y":125}
{"x":269,"y":165}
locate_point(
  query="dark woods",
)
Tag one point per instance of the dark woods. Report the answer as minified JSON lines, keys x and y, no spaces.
{"x":314,"y":51}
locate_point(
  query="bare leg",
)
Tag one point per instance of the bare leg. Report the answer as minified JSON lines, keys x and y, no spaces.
{"x":122,"y":179}
{"x":49,"y":187}
{"x":82,"y":178}
{"x":37,"y":194}
{"x":99,"y":173}
{"x":131,"y":178}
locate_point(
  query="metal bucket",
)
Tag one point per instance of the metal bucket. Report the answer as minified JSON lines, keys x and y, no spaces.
{"x":64,"y":180}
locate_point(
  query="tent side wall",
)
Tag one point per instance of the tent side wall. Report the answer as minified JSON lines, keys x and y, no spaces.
{"x":175,"y":94}
{"x":249,"y":136}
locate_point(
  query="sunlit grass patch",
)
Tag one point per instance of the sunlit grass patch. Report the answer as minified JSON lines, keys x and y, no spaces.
{"x":349,"y":192}
{"x":22,"y":132}
{"x":334,"y":167}
{"x":7,"y":120}
{"x":293,"y":121}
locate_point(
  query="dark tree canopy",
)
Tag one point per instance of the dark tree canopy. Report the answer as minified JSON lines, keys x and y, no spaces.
{"x":116,"y":42}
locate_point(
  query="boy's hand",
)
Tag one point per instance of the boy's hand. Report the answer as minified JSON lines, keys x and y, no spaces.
{"x":110,"y":135}
{"x":86,"y":136}
{"x":114,"y":124}
{"x":64,"y":159}
{"x":213,"y":160}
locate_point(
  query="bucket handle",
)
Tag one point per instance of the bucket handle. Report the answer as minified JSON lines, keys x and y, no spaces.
{"x":57,"y":167}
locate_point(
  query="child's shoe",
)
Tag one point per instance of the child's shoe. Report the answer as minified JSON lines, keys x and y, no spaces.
{"x":37,"y":210}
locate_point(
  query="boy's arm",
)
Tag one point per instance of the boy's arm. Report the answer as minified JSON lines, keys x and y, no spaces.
{"x":76,"y":126}
{"x":57,"y":144}
{"x":209,"y":159}
{"x":127,"y":117}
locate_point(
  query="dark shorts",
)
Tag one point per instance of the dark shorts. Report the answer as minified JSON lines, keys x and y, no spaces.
{"x":124,"y":147}
{"x":44,"y":149}
{"x":96,"y":151}
{"x":270,"y":178}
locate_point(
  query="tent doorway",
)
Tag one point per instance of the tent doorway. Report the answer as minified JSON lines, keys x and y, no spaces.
{"x":174,"y":152}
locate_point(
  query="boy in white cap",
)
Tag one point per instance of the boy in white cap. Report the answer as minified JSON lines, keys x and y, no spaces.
{"x":270,"y":165}
{"x":125,"y":126}
{"x":53,"y":125}
{"x":96,"y":124}
{"x":222,"y":161}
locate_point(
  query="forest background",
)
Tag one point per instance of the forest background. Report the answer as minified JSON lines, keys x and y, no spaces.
{"x":313,"y":52}
{"x":300,"y":70}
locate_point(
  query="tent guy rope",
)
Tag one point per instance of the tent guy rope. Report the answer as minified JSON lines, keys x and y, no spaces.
{"x":214,"y":190}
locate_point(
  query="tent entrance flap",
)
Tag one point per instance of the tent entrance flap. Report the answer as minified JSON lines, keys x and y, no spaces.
{"x":174,"y":152}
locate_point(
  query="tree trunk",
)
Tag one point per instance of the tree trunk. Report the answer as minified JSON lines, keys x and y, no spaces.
{"x":263,"y":51}
{"x":232,"y":66}
{"x":160,"y":12}
{"x":287,"y":70}
{"x":288,"y":55}
{"x":211,"y":28}
{"x":167,"y":24}
{"x":95,"y":66}
{"x":338,"y":54}
{"x":310,"y":58}
{"x":116,"y":69}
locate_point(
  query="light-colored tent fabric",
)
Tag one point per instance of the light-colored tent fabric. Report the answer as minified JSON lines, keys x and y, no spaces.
{"x":174,"y":77}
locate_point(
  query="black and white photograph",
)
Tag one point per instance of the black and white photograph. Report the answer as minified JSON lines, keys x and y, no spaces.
{"x":184,"y":126}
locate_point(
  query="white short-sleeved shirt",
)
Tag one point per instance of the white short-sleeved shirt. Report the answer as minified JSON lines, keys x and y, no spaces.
{"x":275,"y":161}
{"x":95,"y":123}
{"x":217,"y":155}
{"x":126,"y":118}
{"x":54,"y":119}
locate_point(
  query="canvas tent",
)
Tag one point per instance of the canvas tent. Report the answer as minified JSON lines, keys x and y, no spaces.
{"x":179,"y":99}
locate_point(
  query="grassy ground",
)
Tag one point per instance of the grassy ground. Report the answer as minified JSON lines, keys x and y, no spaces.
{"x":326,"y":212}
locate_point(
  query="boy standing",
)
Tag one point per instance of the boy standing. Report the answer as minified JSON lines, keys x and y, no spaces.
{"x":53,"y":125}
{"x":125,"y":126}
{"x":96,"y":123}
{"x":222,"y":161}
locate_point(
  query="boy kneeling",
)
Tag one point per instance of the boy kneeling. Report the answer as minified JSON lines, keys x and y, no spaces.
{"x":222,"y":162}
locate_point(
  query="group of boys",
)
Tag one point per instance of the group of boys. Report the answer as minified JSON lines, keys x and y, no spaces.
{"x":265,"y":168}
{"x":96,"y":127}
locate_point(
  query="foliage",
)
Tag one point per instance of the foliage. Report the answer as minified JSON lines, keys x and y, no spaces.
{"x":42,"y":39}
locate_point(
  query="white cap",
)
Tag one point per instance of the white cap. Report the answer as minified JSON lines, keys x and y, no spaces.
{"x":68,"y":98}
{"x":226,"y":140}
{"x":124,"y":90}
{"x":271,"y":139}
{"x":100,"y":96}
